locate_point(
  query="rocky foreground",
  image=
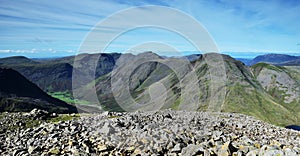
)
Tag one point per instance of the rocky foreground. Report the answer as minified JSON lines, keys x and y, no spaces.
{"x":149,"y":133}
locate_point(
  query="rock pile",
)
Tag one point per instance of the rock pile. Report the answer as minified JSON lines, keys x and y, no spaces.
{"x":153,"y":133}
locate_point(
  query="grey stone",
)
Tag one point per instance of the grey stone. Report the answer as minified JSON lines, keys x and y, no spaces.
{"x":191,"y":150}
{"x":177,"y":148}
{"x":148,"y":133}
{"x":31,"y":149}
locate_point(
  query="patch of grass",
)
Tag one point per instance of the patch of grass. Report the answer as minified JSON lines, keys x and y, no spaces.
{"x":63,"y":117}
{"x":111,"y":117}
{"x":176,"y":104}
{"x":68,"y":98}
{"x":32,"y":123}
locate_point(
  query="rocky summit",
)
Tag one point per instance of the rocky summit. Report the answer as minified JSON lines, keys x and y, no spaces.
{"x":145,"y":133}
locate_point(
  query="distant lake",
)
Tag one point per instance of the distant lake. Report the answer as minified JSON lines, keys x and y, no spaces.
{"x":294,"y":127}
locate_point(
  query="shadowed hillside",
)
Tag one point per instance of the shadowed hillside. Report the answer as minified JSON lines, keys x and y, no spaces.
{"x":19,"y":94}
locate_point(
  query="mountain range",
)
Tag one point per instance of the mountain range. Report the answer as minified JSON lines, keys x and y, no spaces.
{"x":266,"y":87}
{"x":277,"y":59}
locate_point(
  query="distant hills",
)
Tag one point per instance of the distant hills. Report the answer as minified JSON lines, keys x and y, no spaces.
{"x":19,"y":94}
{"x":274,"y":59}
{"x":16,"y":60}
{"x":264,"y":89}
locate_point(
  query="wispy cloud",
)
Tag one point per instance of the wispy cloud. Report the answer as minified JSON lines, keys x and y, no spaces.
{"x":235,"y":25}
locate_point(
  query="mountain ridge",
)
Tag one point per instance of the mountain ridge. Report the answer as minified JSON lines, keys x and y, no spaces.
{"x":244,"y":92}
{"x":154,"y":79}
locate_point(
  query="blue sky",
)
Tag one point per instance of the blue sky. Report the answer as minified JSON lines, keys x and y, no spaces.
{"x":57,"y":28}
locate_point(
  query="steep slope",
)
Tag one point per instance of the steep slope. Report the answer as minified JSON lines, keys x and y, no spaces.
{"x":19,"y":94}
{"x":282,"y":83}
{"x":278,"y":81}
{"x":246,"y":95}
{"x":273,"y":58}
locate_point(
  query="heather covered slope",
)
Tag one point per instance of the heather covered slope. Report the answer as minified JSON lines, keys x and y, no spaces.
{"x":19,"y":94}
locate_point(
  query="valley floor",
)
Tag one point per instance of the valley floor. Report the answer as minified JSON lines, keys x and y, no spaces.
{"x":143,"y":133}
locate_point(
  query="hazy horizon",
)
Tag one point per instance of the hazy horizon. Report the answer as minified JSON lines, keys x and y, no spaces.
{"x":244,"y":55}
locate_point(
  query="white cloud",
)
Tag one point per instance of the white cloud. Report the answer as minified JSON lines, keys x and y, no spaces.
{"x":4,"y":51}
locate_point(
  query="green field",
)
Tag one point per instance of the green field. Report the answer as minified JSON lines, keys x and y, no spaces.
{"x":68,"y":98}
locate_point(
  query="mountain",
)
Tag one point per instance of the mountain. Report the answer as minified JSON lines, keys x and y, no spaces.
{"x":19,"y":94}
{"x":273,"y":58}
{"x":16,"y":60}
{"x":282,"y":83}
{"x":212,"y":82}
{"x":142,"y":74}
{"x":55,"y":75}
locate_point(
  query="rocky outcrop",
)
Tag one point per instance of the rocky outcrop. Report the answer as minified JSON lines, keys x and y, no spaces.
{"x":146,"y":133}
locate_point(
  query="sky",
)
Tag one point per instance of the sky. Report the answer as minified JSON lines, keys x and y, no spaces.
{"x":56,"y":28}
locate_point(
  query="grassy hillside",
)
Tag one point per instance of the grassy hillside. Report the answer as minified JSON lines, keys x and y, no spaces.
{"x":258,"y":104}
